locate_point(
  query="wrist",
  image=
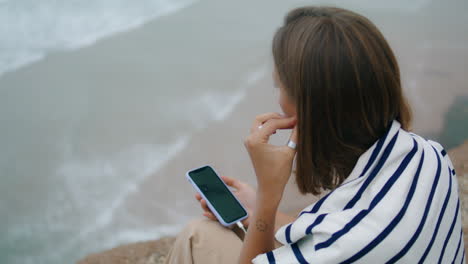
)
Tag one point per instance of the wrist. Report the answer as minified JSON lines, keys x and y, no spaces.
{"x":269,"y":195}
{"x":268,"y":201}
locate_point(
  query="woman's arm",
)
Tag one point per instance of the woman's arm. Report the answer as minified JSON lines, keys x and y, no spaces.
{"x":260,"y":234}
{"x":272,"y":165}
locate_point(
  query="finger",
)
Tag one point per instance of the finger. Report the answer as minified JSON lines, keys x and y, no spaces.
{"x":260,"y":119}
{"x":210,"y":216}
{"x":274,"y":124}
{"x":231,"y":182}
{"x":198,"y":196}
{"x":205,"y":206}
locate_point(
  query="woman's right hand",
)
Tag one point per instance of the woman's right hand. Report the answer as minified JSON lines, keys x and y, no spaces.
{"x":243,"y":191}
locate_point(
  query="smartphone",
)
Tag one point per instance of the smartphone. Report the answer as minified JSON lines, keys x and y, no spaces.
{"x":221,"y":201}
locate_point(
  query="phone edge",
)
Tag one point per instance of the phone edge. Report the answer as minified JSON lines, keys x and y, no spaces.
{"x":220,"y":219}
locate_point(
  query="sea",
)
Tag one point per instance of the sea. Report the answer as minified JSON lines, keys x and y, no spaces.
{"x":93,"y":100}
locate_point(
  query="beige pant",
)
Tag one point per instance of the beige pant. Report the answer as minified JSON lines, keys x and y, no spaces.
{"x":206,"y":241}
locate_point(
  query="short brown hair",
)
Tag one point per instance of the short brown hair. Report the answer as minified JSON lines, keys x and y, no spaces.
{"x":344,"y":79}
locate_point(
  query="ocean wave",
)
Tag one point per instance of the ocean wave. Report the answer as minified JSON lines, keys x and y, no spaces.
{"x":86,"y":179}
{"x":32,"y":29}
{"x":218,"y":105}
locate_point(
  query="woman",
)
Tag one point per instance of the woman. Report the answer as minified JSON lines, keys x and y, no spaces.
{"x":394,"y":195}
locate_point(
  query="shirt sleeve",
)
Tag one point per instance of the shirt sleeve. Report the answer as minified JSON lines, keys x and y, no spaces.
{"x":443,"y":152}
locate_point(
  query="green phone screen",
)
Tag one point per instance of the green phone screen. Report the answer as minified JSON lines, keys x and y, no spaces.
{"x":217,"y":193}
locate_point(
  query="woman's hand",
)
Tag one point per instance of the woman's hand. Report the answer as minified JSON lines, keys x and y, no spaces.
{"x":243,"y":191}
{"x":272,"y":164}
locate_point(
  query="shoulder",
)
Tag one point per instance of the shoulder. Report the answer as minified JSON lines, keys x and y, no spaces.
{"x":437,"y":147}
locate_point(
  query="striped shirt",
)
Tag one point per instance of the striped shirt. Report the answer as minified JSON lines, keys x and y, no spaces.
{"x":400,"y":204}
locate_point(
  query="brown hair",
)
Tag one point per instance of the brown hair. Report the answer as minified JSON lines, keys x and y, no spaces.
{"x":340,"y":72}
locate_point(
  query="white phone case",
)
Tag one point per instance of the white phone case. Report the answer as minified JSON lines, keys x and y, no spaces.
{"x":220,"y":219}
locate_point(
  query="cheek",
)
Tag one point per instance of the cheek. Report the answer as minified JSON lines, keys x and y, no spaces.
{"x":285,"y":106}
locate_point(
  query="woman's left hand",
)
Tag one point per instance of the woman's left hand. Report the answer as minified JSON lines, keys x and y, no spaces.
{"x":272,"y":164}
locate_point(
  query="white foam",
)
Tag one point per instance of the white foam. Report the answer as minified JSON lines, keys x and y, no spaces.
{"x":83,"y":180}
{"x":220,"y":105}
{"x":32,"y":29}
{"x":251,"y":79}
{"x":81,"y":175}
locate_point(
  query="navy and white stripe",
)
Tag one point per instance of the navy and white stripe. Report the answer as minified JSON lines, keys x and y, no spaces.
{"x":399,"y":204}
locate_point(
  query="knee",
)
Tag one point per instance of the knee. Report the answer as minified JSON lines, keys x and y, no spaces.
{"x":202,"y":231}
{"x":201,"y":226}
